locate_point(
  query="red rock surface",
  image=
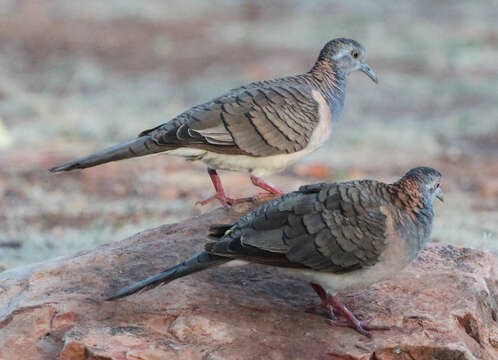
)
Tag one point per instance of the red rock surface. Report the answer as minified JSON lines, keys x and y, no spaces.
{"x":444,"y":306}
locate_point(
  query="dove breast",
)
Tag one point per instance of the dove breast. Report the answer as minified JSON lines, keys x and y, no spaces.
{"x":265,"y":165}
{"x":391,"y":262}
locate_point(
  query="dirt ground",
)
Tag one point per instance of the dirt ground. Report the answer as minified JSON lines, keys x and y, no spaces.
{"x":78,"y":76}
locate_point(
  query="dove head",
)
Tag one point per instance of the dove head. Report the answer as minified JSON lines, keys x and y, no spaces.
{"x":347,"y":55}
{"x":423,"y":183}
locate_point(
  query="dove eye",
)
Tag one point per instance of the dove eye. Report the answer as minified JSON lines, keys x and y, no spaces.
{"x":436,"y":186}
{"x":355,"y":54}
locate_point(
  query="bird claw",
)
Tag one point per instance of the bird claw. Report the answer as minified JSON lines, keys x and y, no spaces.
{"x":264,"y":197}
{"x":220,"y":192}
{"x":323,"y":305}
{"x":227,"y":201}
{"x":223,"y":199}
{"x":336,"y":307}
{"x":362,"y":327}
{"x":273,"y":192}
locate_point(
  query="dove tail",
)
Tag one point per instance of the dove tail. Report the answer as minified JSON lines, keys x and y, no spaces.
{"x":140,"y":146}
{"x":198,"y":262}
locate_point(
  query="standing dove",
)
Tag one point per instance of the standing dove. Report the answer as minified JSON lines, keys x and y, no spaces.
{"x":260,"y":128}
{"x":337,"y":236}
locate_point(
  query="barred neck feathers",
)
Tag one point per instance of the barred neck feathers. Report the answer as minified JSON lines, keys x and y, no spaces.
{"x":331,"y":81}
{"x":406,"y":195}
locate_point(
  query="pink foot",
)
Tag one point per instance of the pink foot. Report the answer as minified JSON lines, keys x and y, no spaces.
{"x":220,"y":195}
{"x":220,"y":192}
{"x":264,"y":197}
{"x":362,"y":326}
{"x":223,"y":199}
{"x":335,"y":306}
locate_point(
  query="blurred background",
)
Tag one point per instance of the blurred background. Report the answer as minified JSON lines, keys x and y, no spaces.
{"x":76,"y":76}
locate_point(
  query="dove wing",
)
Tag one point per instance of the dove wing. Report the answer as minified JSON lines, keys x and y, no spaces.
{"x":324,"y":227}
{"x":264,"y":120}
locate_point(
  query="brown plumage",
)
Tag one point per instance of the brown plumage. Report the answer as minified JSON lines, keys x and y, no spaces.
{"x":259,"y":128}
{"x":340,"y":236}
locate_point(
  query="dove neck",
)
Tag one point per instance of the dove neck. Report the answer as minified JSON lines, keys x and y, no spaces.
{"x":407,"y":196}
{"x":414,"y":216}
{"x":331,"y":81}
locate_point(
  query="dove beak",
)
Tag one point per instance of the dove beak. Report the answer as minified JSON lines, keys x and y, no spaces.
{"x":365,"y":68}
{"x":440,"y":194}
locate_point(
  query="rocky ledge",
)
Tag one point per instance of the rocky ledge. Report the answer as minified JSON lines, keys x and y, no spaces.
{"x":444,"y":306}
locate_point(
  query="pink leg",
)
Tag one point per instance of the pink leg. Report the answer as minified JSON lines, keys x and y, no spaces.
{"x":272,"y":190}
{"x":335,"y":306}
{"x":320,"y":291}
{"x":352,"y":321}
{"x":220,"y":192}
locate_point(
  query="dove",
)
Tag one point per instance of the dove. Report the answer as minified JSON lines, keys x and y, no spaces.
{"x":338,"y":236}
{"x":260,"y":128}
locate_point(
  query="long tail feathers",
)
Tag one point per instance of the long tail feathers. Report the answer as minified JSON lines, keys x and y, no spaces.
{"x":143,"y":145}
{"x":198,"y":262}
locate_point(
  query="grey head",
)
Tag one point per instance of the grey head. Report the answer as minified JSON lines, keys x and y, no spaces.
{"x":424,"y":183}
{"x":347,"y":55}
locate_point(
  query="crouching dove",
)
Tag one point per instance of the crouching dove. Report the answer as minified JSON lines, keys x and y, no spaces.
{"x":338,"y":236}
{"x":260,"y":128}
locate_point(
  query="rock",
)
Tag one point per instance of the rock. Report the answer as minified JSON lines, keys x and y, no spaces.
{"x":444,"y":306}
